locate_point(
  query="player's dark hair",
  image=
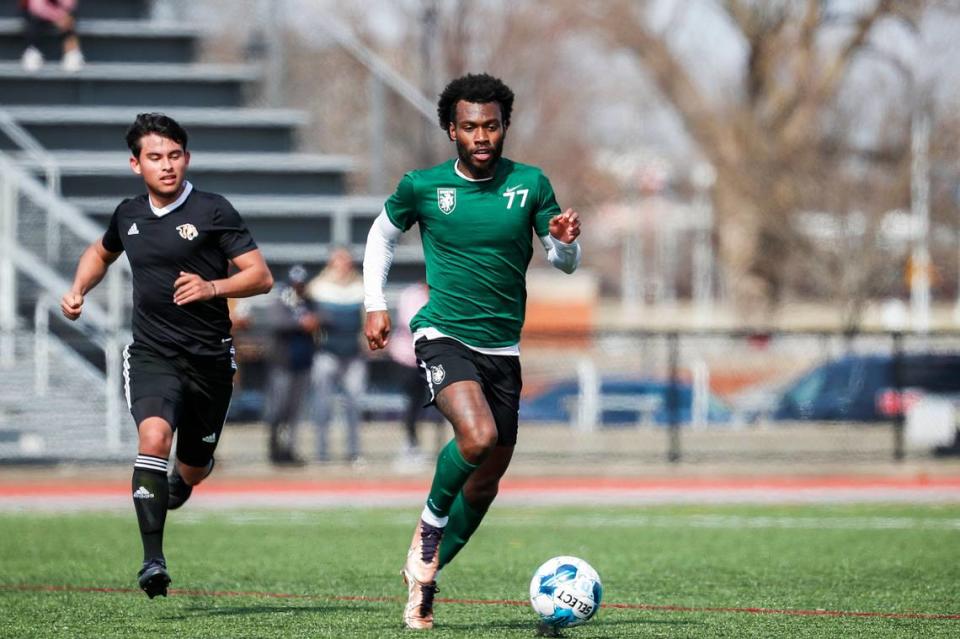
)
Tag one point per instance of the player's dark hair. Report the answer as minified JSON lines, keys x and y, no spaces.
{"x":477,"y":88}
{"x":162,"y":125}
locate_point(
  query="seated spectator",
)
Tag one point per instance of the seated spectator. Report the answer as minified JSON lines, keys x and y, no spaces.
{"x":43,"y":15}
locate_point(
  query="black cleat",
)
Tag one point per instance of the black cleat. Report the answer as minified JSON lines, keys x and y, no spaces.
{"x":154,"y":578}
{"x":179,"y":490}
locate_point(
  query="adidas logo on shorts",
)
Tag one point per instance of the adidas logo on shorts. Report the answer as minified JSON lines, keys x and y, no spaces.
{"x":210,"y":439}
{"x":142,"y":493}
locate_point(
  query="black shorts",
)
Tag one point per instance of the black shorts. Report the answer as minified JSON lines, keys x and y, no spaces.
{"x":191,"y":393}
{"x":444,"y":361}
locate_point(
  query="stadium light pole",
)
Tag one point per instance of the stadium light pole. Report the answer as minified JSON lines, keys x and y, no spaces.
{"x":631,"y":266}
{"x":920,"y":214}
{"x":956,"y":308}
{"x":703,"y":178}
{"x":378,"y":130}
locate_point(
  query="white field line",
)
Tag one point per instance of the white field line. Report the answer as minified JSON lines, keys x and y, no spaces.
{"x":348,"y":519}
{"x":351,"y":517}
{"x":515,"y":497}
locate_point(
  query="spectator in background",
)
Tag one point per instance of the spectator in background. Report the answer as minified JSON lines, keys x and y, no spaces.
{"x":400,"y":348}
{"x":337,"y":293}
{"x":293,"y":325}
{"x":43,"y":15}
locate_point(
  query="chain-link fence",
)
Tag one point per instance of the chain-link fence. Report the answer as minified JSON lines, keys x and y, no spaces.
{"x":629,"y":400}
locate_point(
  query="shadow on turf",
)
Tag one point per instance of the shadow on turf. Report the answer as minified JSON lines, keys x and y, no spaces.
{"x":236,"y":611}
{"x":593,"y":630}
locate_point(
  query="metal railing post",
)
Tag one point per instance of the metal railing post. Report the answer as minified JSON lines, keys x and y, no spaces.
{"x":112,"y":359}
{"x":899,"y":415}
{"x":700,"y":403}
{"x":8,"y":281}
{"x":673,"y":397}
{"x":589,"y":412}
{"x":340,"y":227}
{"x":41,"y":347}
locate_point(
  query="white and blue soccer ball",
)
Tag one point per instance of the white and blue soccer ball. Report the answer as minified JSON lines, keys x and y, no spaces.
{"x":565,"y":591}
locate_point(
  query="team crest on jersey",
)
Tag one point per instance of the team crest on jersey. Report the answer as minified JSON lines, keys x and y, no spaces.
{"x":187,"y":231}
{"x":437,"y":374}
{"x":447,"y":200}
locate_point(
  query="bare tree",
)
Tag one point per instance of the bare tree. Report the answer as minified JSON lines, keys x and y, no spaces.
{"x":777,"y":144}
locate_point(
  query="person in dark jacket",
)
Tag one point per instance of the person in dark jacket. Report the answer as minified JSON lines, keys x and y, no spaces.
{"x":293,"y":324}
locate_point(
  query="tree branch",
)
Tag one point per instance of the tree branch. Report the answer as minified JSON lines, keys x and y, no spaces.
{"x":714,"y":134}
{"x":800,"y":113}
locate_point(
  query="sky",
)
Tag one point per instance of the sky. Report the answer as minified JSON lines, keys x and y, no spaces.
{"x":627,"y":112}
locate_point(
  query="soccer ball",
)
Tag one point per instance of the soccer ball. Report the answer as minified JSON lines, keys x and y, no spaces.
{"x":565,"y":591}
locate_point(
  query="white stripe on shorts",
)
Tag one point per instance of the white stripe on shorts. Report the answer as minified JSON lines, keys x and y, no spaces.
{"x":426,"y":371}
{"x":126,"y":375}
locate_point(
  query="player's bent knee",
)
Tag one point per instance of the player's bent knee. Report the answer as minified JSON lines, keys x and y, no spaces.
{"x":193,"y":475}
{"x":479,"y":444}
{"x":481,"y":495}
{"x":156,"y":437}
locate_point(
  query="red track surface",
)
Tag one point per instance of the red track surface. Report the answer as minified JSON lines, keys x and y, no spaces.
{"x":565,"y":485}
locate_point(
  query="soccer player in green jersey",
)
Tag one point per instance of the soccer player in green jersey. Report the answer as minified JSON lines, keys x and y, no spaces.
{"x":476,"y":213}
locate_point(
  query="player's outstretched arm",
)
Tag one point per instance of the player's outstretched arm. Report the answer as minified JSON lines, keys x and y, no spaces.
{"x":561,"y":245}
{"x":566,"y":226}
{"x":91,"y":268}
{"x":253,"y":277}
{"x":377,"y":258}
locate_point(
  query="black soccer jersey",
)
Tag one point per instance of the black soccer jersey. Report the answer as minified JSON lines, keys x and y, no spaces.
{"x":199,"y":236}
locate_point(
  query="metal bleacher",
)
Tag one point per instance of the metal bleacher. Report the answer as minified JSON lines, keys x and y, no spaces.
{"x":296,"y":203}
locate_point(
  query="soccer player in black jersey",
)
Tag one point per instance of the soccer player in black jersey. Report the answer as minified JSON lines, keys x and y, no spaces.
{"x":178,"y":372}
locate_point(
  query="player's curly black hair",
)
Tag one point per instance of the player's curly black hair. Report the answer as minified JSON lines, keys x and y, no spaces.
{"x":479,"y":88}
{"x":162,"y":125}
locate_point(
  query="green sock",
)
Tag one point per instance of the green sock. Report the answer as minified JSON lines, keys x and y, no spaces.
{"x":452,"y":472}
{"x":464,"y":520}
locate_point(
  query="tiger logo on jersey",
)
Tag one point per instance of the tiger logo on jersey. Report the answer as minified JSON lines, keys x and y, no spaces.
{"x":447,"y":200}
{"x":187,"y":231}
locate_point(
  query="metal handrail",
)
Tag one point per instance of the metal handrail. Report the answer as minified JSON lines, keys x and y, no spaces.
{"x":22,"y":138}
{"x":102,"y":325}
{"x":344,"y":36}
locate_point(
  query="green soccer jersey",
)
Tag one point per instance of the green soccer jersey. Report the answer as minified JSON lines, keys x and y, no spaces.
{"x":477,"y":243}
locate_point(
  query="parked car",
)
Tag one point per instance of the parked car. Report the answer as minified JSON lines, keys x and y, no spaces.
{"x":622,"y":402}
{"x":861,"y":388}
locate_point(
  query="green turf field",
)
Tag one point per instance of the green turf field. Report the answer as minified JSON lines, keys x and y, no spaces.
{"x":336,"y":573}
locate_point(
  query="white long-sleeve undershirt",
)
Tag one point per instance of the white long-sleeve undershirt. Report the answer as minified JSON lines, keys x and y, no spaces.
{"x":377,"y":258}
{"x":382,"y":242}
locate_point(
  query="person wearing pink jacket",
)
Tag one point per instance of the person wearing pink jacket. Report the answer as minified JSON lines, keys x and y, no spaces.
{"x":42,"y":15}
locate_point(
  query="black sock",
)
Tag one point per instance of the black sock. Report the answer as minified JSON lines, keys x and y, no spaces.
{"x":150,"y":493}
